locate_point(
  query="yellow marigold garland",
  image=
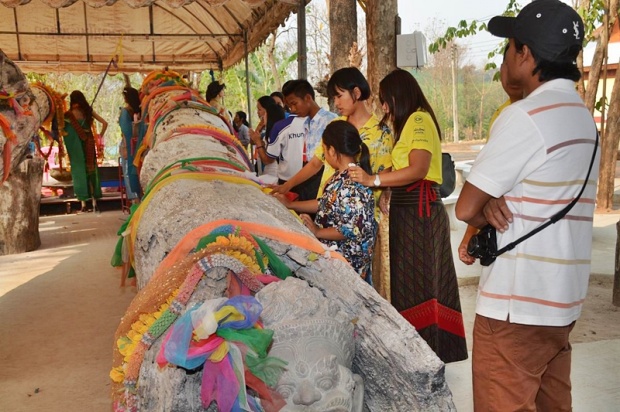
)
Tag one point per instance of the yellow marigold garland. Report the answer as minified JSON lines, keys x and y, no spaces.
{"x":127,"y":344}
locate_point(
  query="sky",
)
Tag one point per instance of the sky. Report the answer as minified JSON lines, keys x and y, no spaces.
{"x":422,"y":15}
{"x":418,"y":15}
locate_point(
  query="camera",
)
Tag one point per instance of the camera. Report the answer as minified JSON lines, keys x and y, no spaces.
{"x":483,"y":245}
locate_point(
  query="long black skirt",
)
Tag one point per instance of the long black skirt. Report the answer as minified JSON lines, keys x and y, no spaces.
{"x":423,"y":281}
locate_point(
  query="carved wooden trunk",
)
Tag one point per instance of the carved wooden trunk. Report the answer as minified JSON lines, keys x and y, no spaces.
{"x":20,"y":193}
{"x":400,"y":371}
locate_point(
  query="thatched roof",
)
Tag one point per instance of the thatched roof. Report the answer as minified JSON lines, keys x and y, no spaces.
{"x":84,"y":35}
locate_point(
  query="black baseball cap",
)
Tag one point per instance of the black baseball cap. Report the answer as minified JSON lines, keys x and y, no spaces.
{"x":552,"y":29}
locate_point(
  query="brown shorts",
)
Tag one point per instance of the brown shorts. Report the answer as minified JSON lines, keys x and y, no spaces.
{"x":521,"y":367}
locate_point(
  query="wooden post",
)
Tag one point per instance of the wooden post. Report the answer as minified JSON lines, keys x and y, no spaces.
{"x":19,"y":209}
{"x":615,"y":297}
{"x":381,"y":27}
{"x":343,"y":32}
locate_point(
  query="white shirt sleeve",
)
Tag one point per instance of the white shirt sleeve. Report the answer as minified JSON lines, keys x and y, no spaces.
{"x":515,"y":149}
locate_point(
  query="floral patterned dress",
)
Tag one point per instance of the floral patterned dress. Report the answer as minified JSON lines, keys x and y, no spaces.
{"x":349,"y":207}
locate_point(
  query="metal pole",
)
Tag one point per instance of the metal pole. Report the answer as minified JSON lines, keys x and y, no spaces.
{"x":455,"y":110}
{"x":247,"y":75}
{"x":112,"y":62}
{"x":302,"y":62}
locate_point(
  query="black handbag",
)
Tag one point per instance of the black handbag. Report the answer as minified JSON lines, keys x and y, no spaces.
{"x":448,"y":175}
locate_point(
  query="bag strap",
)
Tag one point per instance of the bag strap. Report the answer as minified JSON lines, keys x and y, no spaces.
{"x":553,"y":219}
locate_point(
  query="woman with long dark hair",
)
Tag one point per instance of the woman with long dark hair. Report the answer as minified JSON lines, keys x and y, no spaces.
{"x":81,"y":147}
{"x":423,"y":281}
{"x":269,"y":112}
{"x":130,"y":141}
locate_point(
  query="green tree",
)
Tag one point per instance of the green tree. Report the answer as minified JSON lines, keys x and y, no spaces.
{"x":599,"y":17}
{"x":262,"y":77}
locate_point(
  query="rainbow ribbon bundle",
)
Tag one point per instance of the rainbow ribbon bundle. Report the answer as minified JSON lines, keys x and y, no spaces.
{"x":226,"y":338}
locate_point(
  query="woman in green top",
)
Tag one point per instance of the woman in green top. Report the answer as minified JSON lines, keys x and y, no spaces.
{"x":423,"y":280}
{"x":80,"y":143}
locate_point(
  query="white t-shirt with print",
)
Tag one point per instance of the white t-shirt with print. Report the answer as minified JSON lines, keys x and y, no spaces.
{"x":286,"y":143}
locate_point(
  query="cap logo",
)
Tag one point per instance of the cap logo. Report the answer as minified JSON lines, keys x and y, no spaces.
{"x":576,"y":29}
{"x":539,"y":15}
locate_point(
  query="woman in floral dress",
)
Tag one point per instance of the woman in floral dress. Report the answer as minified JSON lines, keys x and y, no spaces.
{"x":345,"y":211}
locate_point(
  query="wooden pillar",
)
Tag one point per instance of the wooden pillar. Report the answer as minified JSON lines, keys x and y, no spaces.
{"x":302,"y":59}
{"x":343,"y":32}
{"x":381,"y":27}
{"x":19,"y":209}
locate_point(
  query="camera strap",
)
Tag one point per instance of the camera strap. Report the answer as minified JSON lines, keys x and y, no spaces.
{"x":553,"y":219}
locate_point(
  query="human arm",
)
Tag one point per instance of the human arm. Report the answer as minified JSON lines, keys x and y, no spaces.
{"x":261,"y":124}
{"x":498,"y":214}
{"x":126,"y":124}
{"x":384,"y":201}
{"x":470,"y":204}
{"x":327,"y":233}
{"x":260,"y":147}
{"x":463,"y":255}
{"x":104,"y":124}
{"x":302,"y":206}
{"x":419,"y":164}
{"x":310,"y":169}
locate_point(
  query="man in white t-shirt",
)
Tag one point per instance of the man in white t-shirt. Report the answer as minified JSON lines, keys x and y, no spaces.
{"x":535,"y":163}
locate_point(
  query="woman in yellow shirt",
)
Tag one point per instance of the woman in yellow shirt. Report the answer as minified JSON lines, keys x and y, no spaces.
{"x":424,"y":287}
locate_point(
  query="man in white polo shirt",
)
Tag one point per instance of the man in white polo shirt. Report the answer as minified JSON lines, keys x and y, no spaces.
{"x":534,"y":164}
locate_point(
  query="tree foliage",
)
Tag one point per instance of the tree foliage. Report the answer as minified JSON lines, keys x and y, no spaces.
{"x":598,"y":17}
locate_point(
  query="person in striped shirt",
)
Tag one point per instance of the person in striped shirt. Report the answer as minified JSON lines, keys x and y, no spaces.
{"x":535,"y":163}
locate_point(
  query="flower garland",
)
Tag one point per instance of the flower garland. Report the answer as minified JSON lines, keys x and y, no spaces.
{"x":215,"y":335}
{"x":7,"y":130}
{"x":226,"y":246}
{"x":127,"y":344}
{"x":11,"y":140}
{"x":136,"y":344}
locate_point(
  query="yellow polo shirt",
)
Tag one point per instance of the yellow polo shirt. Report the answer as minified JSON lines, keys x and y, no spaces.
{"x":419,"y":133}
{"x":380,"y":143}
{"x":496,"y":113}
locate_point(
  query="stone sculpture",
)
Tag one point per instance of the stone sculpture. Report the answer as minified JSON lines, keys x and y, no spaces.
{"x":317,"y":341}
{"x":197,"y":179}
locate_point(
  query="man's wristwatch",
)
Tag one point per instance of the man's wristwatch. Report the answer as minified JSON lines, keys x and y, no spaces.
{"x":377,"y":181}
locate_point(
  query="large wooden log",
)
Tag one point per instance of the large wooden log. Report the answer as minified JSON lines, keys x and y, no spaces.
{"x":400,"y":371}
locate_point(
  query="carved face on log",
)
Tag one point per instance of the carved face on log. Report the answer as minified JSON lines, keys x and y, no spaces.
{"x":315,"y":379}
{"x":317,"y":342}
